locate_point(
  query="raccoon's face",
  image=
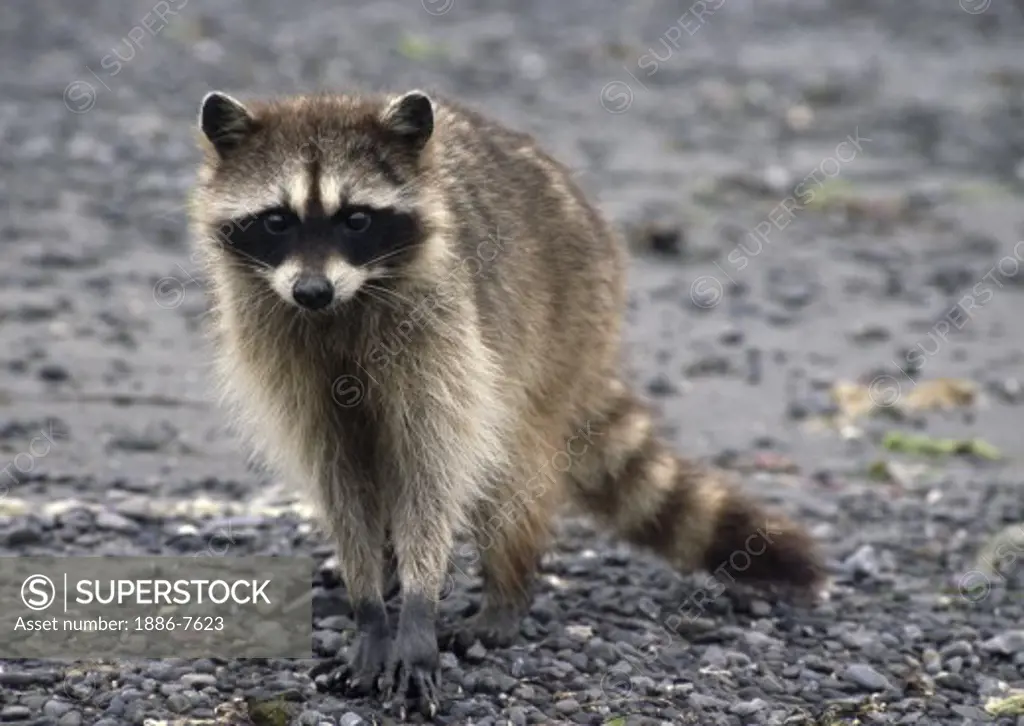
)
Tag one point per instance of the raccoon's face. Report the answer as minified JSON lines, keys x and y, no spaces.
{"x":316,"y":196}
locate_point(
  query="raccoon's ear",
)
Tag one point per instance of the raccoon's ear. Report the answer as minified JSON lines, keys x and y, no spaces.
{"x":224,"y":121}
{"x":410,"y":116}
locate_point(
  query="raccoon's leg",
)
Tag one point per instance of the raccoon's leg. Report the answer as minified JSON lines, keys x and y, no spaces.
{"x":355,"y":524}
{"x":392,"y":585}
{"x":423,"y":527}
{"x":512,"y":530}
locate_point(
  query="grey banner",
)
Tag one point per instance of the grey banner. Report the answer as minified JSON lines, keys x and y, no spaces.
{"x":156,"y":607}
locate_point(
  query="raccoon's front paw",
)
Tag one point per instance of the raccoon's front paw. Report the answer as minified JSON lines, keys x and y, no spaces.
{"x":358,"y":676}
{"x":413,"y":674}
{"x":493,"y":627}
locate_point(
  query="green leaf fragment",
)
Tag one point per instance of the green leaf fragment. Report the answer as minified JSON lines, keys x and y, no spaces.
{"x":269,"y":713}
{"x":928,"y":446}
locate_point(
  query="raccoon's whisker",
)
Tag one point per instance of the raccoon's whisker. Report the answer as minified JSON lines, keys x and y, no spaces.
{"x":376,"y":293}
{"x":394,"y":275}
{"x":386,"y":256}
{"x":397,"y":300}
{"x":397,"y":295}
{"x":369,"y":286}
{"x":275,"y":302}
{"x":267,"y":296}
{"x":297,"y":319}
{"x":244,"y":267}
{"x":237,"y":257}
{"x":254,"y":263}
{"x":263,"y":294}
{"x":234,"y":253}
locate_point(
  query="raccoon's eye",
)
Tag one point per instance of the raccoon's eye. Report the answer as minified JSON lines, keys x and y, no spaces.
{"x":278,"y":221}
{"x":357,"y":222}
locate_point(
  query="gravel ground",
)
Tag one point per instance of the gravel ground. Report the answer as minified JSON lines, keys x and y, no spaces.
{"x":893,"y":129}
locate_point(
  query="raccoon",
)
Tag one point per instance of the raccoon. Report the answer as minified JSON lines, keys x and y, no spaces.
{"x":416,"y":316}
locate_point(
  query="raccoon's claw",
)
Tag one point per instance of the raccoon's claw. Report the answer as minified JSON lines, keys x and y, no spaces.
{"x":360,"y":684}
{"x":336,"y":672}
{"x":356,"y":677}
{"x":327,"y":667}
{"x":347,"y":681}
{"x":343,"y":681}
{"x":416,"y":684}
{"x":413,"y":675}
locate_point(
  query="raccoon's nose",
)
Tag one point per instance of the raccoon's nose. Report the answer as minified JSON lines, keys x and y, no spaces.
{"x":313,"y":292}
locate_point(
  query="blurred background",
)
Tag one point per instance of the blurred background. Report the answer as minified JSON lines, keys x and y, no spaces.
{"x":824,"y":201}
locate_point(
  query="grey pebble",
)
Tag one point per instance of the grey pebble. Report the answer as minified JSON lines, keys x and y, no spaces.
{"x":748,"y":708}
{"x":863,"y":562}
{"x":476,"y":653}
{"x":23,"y":534}
{"x":20,"y":679}
{"x":959,"y":648}
{"x":53,"y":373}
{"x":912,"y":632}
{"x":178,"y":703}
{"x":567,"y":707}
{"x":55,"y":709}
{"x":169,"y":689}
{"x":116,"y":706}
{"x":974,"y":715}
{"x":204,"y":666}
{"x":198,"y":680}
{"x":1008,"y":643}
{"x":699,"y":700}
{"x":116,"y":523}
{"x":15,"y":713}
{"x":866,"y":677}
{"x":757,"y":639}
{"x":858,"y":639}
{"x":714,"y":657}
{"x":162,"y":672}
